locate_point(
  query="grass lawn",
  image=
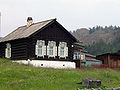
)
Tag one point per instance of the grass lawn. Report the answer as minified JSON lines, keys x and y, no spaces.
{"x":14,"y":76}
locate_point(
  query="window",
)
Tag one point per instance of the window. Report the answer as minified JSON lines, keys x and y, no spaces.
{"x":62,"y":51}
{"x":40,"y":48}
{"x":51,"y":50}
{"x":115,"y":63}
{"x":82,"y":56}
{"x":76,"y":55}
{"x":8,"y":50}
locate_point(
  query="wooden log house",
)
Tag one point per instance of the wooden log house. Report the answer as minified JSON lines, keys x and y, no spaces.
{"x":46,"y":40}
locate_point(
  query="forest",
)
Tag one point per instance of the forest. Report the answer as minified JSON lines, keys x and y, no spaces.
{"x":101,"y":46}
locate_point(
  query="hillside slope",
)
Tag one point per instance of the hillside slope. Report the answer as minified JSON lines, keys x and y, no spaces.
{"x":14,"y":76}
{"x":98,"y":41}
{"x":108,"y":36}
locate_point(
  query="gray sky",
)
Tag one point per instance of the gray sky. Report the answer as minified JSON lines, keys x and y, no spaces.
{"x":72,"y":14}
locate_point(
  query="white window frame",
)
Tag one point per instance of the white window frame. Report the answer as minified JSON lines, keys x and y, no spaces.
{"x":43,"y":47}
{"x":8,"y":50}
{"x":63,"y":45}
{"x":52,"y":44}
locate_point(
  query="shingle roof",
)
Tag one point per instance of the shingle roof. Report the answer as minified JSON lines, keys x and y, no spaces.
{"x":24,"y":31}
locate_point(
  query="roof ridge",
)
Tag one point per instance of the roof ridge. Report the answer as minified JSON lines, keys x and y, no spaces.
{"x":35,"y":23}
{"x":45,"y":21}
{"x":22,"y":29}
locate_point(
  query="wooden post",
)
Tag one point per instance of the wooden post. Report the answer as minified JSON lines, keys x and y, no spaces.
{"x":80,"y":58}
{"x":109,"y":61}
{"x":118,"y":63}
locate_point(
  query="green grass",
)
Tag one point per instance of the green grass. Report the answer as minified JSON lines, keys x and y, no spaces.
{"x":14,"y":76}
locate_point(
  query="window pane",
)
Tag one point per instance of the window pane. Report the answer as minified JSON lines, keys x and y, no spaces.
{"x":51,"y":50}
{"x":62,"y":51}
{"x":39,"y":46}
{"x":77,"y":55}
{"x":39,"y":50}
{"x":115,"y":63}
{"x":82,"y":57}
{"x":8,"y":52}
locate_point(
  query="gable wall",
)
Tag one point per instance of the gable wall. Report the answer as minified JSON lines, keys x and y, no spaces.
{"x":55,"y":33}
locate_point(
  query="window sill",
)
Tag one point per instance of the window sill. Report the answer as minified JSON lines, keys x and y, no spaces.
{"x":39,"y":56}
{"x":50,"y":56}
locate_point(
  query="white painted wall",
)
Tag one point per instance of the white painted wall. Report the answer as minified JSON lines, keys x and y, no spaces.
{"x":50,"y":64}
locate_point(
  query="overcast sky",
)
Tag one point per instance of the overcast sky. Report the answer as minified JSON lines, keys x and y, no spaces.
{"x":72,"y":14}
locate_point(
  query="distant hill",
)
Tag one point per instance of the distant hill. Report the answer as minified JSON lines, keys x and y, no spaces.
{"x":99,"y":39}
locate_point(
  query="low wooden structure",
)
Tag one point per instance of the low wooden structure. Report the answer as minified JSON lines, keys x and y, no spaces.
{"x":90,"y":83}
{"x":78,"y":54}
{"x":112,"y":60}
{"x":82,"y":58}
{"x":91,"y":60}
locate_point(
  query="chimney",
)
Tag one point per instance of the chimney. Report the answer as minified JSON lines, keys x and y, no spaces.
{"x":29,"y":21}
